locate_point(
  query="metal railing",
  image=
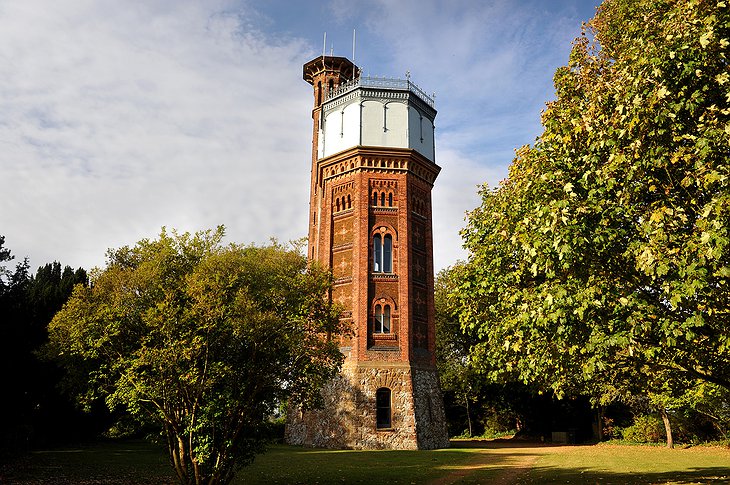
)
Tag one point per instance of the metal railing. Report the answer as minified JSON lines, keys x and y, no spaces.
{"x":382,"y":83}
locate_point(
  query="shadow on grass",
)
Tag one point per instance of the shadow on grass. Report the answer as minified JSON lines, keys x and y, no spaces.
{"x":474,"y":462}
{"x":128,"y":462}
{"x":552,"y":475}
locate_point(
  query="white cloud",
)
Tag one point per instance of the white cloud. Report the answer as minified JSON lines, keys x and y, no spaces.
{"x":119,"y":118}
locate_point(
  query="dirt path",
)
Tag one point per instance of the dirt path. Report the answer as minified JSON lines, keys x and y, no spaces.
{"x":509,"y":461}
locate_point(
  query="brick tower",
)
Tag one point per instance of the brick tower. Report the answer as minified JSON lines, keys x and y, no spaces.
{"x":370,"y":222}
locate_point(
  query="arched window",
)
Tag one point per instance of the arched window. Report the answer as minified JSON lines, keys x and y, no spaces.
{"x":375,"y":198}
{"x":349,"y":202}
{"x":378,"y":254}
{"x":383,"y":253}
{"x":337,"y":205}
{"x":381,"y":324}
{"x":382,"y":408}
{"x":343,"y":203}
{"x":390,"y":199}
{"x":382,"y":199}
{"x":388,"y":254}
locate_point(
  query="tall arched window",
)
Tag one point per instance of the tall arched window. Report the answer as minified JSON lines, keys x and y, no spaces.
{"x":375,"y":198}
{"x":388,"y":254}
{"x":378,"y":254}
{"x":381,"y":324}
{"x":382,"y":408}
{"x":383,"y":253}
{"x":349,"y":202}
{"x":382,"y":199}
{"x":390,"y":199}
{"x":337,"y":205}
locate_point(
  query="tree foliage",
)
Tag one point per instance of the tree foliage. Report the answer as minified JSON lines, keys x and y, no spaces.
{"x":456,"y":374}
{"x":204,"y":340}
{"x":604,"y":256}
{"x":33,"y":411}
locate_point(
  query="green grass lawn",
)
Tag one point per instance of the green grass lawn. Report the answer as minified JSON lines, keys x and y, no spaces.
{"x":500,"y":461}
{"x":621,"y":464}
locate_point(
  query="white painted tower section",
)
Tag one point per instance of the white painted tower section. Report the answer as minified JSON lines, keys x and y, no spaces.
{"x":377,"y":112}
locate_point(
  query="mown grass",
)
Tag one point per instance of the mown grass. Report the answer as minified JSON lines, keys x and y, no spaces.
{"x":631,"y":465}
{"x":467,"y":462}
{"x":294,"y":465}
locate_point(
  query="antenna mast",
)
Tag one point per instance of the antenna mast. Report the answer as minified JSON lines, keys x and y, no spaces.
{"x":353,"y":46}
{"x":324,"y":44}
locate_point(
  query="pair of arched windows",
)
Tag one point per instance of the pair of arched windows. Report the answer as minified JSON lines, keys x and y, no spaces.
{"x":381,"y":323}
{"x":383,"y":253}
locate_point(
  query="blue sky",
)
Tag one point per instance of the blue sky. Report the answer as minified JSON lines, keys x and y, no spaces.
{"x":118,"y":118}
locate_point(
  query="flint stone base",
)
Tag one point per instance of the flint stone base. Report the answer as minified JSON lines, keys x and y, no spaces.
{"x":347,"y":419}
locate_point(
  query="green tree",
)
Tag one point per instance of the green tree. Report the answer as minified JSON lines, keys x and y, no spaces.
{"x":604,"y":255}
{"x":202,"y":339}
{"x":34,"y":411}
{"x":456,"y":373}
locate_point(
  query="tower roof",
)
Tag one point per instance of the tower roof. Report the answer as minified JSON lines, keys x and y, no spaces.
{"x":324,"y":64}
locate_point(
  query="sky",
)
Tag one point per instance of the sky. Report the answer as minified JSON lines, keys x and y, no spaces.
{"x":119,"y":118}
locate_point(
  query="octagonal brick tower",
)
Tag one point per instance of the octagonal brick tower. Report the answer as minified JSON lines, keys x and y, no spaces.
{"x":373,"y":170}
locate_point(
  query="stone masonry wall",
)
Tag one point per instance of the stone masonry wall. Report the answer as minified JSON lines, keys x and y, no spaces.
{"x":347,"y":418}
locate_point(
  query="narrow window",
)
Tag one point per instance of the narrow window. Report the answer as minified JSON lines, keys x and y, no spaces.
{"x":319,"y":93}
{"x":382,"y":199}
{"x":343,"y":203}
{"x":375,"y":198}
{"x":378,"y":322}
{"x":390,"y":199}
{"x":337,"y":204}
{"x":382,"y":408}
{"x":377,"y":254}
{"x":388,"y":254}
{"x":386,"y":319}
{"x":349,"y":202}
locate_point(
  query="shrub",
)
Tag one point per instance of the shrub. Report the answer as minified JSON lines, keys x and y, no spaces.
{"x":645,"y":429}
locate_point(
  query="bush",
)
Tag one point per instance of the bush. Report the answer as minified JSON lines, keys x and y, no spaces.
{"x":645,"y":429}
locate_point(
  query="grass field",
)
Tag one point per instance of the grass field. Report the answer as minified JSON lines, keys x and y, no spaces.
{"x":467,"y":462}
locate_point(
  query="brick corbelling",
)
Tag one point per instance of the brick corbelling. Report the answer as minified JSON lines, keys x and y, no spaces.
{"x":380,"y":160}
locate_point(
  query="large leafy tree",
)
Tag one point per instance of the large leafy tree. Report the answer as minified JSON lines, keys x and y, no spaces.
{"x":604,"y":256}
{"x":202,"y":339}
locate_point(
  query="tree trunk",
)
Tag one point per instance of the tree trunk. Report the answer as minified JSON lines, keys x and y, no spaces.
{"x":667,"y":427}
{"x":468,"y":418}
{"x":599,"y":427}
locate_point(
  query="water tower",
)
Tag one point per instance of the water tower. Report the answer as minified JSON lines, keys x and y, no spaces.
{"x":373,"y":168}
